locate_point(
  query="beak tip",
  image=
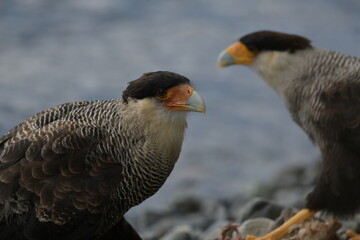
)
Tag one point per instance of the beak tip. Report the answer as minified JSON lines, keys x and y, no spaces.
{"x":225,"y":59}
{"x":220,"y":64}
{"x":196,"y":103}
{"x":202,"y":108}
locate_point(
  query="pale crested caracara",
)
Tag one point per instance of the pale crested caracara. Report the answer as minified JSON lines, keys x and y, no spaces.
{"x":72,"y":171}
{"x":321,"y":89}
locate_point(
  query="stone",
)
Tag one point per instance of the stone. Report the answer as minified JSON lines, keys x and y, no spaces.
{"x":186,"y":204}
{"x":257,"y":207}
{"x":214,"y":230}
{"x":256,"y":226}
{"x":182,"y":232}
{"x":167,"y":224}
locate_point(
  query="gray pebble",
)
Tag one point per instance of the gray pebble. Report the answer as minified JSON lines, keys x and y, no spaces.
{"x":214,"y":231}
{"x":182,"y":232}
{"x":257,"y":207}
{"x":257,"y":227}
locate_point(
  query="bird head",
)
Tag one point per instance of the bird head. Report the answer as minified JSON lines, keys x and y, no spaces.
{"x":276,"y":57}
{"x":251,"y":46}
{"x":159,"y":102}
{"x":167,"y":89}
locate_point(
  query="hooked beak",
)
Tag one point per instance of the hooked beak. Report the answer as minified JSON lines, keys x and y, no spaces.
{"x":195,"y":103}
{"x":237,"y":53}
{"x":185,"y":98}
{"x":225,"y":59}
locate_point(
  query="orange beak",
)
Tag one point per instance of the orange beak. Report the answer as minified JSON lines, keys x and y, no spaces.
{"x":237,"y":53}
{"x":184,"y":98}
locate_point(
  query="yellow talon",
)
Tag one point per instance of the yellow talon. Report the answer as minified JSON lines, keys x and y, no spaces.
{"x":352,"y":235}
{"x":250,"y":237}
{"x":281,"y":231}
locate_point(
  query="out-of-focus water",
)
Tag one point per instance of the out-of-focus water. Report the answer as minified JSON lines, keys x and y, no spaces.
{"x":53,"y":52}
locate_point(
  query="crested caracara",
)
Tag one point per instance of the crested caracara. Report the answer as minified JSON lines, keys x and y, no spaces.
{"x":72,"y":171}
{"x":321,"y":89}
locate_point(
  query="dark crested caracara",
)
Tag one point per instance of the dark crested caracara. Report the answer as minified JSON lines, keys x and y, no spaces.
{"x":321,"y":89}
{"x":72,"y":171}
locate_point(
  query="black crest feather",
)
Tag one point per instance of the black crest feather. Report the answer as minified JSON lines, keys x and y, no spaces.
{"x":275,"y":41}
{"x":150,"y":83}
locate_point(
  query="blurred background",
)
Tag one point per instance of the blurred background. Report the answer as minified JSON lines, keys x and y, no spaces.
{"x":54,"y":51}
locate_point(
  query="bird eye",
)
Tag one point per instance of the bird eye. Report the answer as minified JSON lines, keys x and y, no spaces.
{"x":161,"y":93}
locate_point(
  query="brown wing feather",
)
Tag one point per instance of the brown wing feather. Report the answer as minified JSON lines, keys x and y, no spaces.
{"x":57,"y":166}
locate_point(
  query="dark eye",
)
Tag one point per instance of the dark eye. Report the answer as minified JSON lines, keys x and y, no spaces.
{"x":161,"y":93}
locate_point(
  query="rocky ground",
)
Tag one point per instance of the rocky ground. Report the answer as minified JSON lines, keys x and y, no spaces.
{"x":233,"y":218}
